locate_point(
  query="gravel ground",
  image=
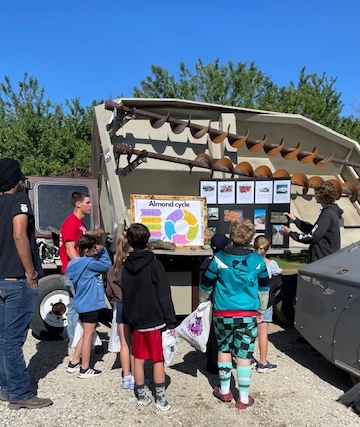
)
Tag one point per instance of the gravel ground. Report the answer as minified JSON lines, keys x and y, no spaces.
{"x":302,"y":392}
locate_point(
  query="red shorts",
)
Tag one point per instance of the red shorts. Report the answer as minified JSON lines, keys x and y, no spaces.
{"x":148,"y":345}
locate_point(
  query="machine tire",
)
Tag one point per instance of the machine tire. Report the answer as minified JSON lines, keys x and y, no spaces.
{"x":50,"y":316}
{"x":284,"y":306}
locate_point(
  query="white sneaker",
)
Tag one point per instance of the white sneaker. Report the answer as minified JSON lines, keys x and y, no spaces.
{"x":168,"y":409}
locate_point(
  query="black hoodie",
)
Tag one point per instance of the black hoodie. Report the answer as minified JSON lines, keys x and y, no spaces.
{"x":146,"y":293}
{"x":323,"y":236}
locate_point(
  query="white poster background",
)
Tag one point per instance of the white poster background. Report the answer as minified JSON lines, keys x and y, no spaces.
{"x":226,"y":192}
{"x":282,"y":191}
{"x":208,"y":190}
{"x":263,"y":192}
{"x":178,"y":221}
{"x":245,"y":192}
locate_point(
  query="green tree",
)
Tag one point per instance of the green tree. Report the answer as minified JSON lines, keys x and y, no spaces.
{"x":45,"y":137}
{"x":239,"y":85}
{"x":245,"y":85}
{"x":313,"y":97}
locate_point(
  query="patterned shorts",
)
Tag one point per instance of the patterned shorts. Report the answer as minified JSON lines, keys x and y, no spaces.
{"x":236,"y":335}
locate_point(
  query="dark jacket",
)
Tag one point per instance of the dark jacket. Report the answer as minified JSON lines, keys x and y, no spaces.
{"x":146,"y":292}
{"x":324,"y":236}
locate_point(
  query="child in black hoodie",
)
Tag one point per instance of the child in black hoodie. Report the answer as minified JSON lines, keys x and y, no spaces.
{"x":149,"y":309}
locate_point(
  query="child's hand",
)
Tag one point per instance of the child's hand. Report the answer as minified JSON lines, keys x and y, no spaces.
{"x":172,"y":332}
{"x":98,"y":247}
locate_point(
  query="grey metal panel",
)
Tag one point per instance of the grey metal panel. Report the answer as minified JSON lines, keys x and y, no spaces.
{"x":341,"y":267}
{"x":327,"y":311}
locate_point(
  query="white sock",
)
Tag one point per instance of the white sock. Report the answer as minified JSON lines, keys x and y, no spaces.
{"x":225,"y":389}
{"x":244,"y":397}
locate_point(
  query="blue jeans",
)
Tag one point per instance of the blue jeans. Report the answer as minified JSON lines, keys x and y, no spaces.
{"x":17,"y":305}
{"x":72,"y":315}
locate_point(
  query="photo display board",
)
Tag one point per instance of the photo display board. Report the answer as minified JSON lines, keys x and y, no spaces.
{"x":178,"y":219}
{"x":264,"y":201}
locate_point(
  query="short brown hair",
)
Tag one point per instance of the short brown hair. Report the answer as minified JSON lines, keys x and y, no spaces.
{"x":78,"y":196}
{"x":138,"y":236}
{"x":242,"y":232}
{"x":326,"y":191}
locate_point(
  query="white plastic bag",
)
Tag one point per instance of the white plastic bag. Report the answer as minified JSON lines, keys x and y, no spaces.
{"x":114,"y":339}
{"x":195,"y":328}
{"x":169,"y":344}
{"x":78,"y":333}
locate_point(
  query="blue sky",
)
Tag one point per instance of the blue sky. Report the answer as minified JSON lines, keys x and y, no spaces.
{"x":97,"y":50}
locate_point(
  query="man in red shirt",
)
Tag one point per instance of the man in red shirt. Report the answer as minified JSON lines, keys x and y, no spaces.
{"x":72,"y":228}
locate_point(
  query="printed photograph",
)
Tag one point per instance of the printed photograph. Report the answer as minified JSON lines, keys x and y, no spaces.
{"x":281,"y":188}
{"x":259,"y":219}
{"x":213,"y":213}
{"x":277,"y":235}
{"x":278,"y":218}
{"x":232,"y":215}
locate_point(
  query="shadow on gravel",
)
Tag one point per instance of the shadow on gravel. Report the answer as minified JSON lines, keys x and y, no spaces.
{"x":195,"y":362}
{"x":290,"y":342}
{"x":49,"y":355}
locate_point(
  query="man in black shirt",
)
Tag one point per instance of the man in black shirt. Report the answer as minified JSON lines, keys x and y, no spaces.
{"x":20,"y":268}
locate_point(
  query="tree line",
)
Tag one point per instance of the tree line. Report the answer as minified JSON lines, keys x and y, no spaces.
{"x":48,"y":138}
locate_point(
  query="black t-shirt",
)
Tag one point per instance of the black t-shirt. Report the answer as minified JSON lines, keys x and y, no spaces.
{"x":10,"y":263}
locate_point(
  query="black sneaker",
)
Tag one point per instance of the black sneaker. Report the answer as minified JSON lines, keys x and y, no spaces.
{"x":73,"y":368}
{"x":89,"y":373}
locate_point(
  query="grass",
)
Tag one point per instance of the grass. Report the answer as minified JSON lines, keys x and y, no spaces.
{"x":291,"y":261}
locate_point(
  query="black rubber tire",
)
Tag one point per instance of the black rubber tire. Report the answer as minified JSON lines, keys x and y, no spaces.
{"x":284,"y":306}
{"x":45,"y":324}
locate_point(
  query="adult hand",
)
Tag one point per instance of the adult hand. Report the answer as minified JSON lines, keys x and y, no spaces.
{"x":285,"y":229}
{"x":33,"y":283}
{"x":290,"y":215}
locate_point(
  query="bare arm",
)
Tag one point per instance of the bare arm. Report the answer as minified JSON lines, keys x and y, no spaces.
{"x":22,"y":244}
{"x":71,"y":251}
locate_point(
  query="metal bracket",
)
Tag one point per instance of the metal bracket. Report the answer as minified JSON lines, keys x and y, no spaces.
{"x":141,"y":158}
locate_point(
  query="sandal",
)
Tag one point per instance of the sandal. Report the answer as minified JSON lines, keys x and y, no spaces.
{"x":228,"y":397}
{"x":240,"y":405}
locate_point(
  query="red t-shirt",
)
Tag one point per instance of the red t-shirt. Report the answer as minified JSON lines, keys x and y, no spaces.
{"x":71,"y":229}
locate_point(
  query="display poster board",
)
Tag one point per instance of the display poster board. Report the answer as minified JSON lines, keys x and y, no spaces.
{"x":178,"y":219}
{"x":262,"y":200}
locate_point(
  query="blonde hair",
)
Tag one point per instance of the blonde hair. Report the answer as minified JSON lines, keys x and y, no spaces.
{"x":242,"y":232}
{"x":261,"y":245}
{"x":122,"y":251}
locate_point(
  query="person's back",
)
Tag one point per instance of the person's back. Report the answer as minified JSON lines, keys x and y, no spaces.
{"x":149,"y":309}
{"x":85,"y":273}
{"x":239,"y":279}
{"x":146,"y":292}
{"x":237,"y":276}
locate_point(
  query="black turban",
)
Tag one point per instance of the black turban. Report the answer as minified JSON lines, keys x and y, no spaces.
{"x":10,"y":174}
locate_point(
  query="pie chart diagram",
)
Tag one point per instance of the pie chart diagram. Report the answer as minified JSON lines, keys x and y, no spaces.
{"x":181,"y":227}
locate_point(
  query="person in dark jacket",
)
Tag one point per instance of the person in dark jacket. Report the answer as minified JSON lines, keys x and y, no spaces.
{"x":324,"y":236}
{"x":148,"y":307}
